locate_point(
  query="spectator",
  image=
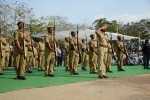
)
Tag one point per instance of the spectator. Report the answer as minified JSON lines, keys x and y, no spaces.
{"x":146,"y":54}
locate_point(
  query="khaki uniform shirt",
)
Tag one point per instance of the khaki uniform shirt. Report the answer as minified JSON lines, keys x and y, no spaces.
{"x":3,"y":46}
{"x":120,"y":46}
{"x":83,"y":47}
{"x":102,"y":38}
{"x":41,"y":46}
{"x":35,"y":52}
{"x":93,"y":45}
{"x":109,"y":48}
{"x":7,"y":49}
{"x":49,"y":38}
{"x":30,"y":45}
{"x":66,"y":45}
{"x":18,"y":35}
{"x":73,"y":41}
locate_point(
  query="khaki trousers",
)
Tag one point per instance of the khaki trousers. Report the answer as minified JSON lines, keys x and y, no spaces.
{"x":49,"y":62}
{"x":84,"y":59}
{"x":93,"y":61}
{"x":73,"y":61}
{"x":67,"y":61}
{"x":35,"y":62}
{"x":3,"y":58}
{"x":120,"y":57}
{"x":29,"y":60}
{"x":41,"y":60}
{"x":1,"y":68}
{"x":19,"y":64}
{"x":6,"y":59}
{"x":102,"y":60}
{"x":109,"y":61}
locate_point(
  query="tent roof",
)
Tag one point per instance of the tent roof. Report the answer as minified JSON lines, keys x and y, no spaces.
{"x":87,"y":32}
{"x":83,"y":33}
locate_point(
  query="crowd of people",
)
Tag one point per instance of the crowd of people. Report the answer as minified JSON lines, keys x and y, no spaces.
{"x":99,"y":54}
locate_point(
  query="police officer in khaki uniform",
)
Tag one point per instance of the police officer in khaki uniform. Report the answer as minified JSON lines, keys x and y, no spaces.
{"x":120,"y":53}
{"x":66,"y":45}
{"x":11,"y":56}
{"x":29,"y":60}
{"x":93,"y":54}
{"x":7,"y":52}
{"x":109,"y":57}
{"x":50,"y":42}
{"x":102,"y":51}
{"x":84,"y":54}
{"x":41,"y":54}
{"x":73,"y":54}
{"x":21,"y":38}
{"x":3,"y":43}
{"x":3,"y":53}
{"x":35,"y":57}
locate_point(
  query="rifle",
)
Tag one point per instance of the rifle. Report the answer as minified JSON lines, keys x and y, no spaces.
{"x":1,"y":44}
{"x":54,"y":41}
{"x":32,"y":44}
{"x":86,"y":44}
{"x":78,"y":43}
{"x":24,"y":44}
{"x":124,"y":47}
{"x":112,"y":48}
{"x":98,"y":52}
{"x":32,"y":47}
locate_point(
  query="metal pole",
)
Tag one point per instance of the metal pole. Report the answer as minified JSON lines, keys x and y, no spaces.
{"x":139,"y":39}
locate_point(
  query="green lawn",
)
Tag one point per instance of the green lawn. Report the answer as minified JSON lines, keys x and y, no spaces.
{"x":38,"y":80}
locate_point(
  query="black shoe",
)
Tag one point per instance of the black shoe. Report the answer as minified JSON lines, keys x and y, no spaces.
{"x":1,"y":74}
{"x":95,"y":73}
{"x":110,"y":71}
{"x":105,"y":76}
{"x":75,"y":73}
{"x":17,"y":78}
{"x":22,"y":78}
{"x":122,"y":70}
{"x":51,"y":75}
{"x":29,"y":71}
{"x":83,"y":68}
{"x":147,"y":68}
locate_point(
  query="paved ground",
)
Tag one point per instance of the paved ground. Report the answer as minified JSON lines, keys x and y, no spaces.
{"x":124,"y":88}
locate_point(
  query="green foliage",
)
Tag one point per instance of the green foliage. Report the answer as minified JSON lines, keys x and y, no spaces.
{"x":103,"y":21}
{"x":137,"y":29}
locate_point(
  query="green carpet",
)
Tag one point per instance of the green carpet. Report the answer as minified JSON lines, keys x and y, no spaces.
{"x":37,"y":79}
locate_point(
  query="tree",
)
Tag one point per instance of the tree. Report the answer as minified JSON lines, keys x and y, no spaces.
{"x":137,"y":29}
{"x":100,"y":22}
{"x":11,"y":11}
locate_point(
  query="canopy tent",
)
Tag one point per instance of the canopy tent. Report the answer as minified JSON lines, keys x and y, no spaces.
{"x":87,"y":32}
{"x":83,"y":33}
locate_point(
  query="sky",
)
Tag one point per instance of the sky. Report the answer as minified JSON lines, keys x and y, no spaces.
{"x":86,"y":11}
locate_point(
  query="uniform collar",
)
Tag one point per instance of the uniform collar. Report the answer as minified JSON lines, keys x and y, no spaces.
{"x":20,"y":30}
